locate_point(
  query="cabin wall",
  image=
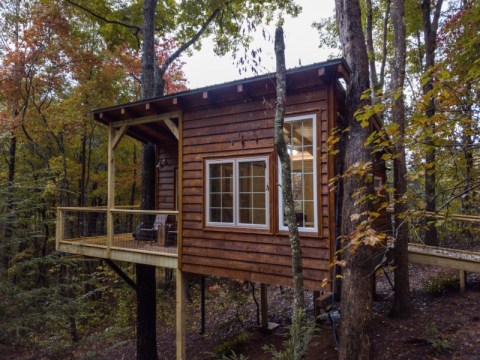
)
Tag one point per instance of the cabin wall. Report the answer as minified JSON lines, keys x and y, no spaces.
{"x":166,"y":190}
{"x":243,"y":126}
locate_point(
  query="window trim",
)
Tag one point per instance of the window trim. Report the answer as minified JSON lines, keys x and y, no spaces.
{"x":315,"y":227}
{"x":236,"y":193}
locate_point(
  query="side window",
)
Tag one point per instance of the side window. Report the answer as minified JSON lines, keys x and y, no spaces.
{"x":237,"y":192}
{"x":300,"y":137}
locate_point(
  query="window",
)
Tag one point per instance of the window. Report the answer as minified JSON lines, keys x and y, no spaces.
{"x":300,"y":137}
{"x":237,"y":192}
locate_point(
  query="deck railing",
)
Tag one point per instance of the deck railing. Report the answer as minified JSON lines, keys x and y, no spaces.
{"x":128,"y":229}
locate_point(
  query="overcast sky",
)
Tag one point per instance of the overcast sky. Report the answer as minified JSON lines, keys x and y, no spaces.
{"x":301,"y":43}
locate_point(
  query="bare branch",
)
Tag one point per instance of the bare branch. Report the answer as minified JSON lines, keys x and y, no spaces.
{"x":185,"y":46}
{"x":104,"y":19}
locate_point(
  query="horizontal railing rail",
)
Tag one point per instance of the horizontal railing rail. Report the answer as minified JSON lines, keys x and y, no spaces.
{"x":120,"y":228}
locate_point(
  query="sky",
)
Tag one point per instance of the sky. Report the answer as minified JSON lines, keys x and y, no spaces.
{"x":204,"y":68}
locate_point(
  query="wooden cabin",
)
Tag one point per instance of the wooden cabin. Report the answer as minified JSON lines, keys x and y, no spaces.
{"x":218,"y":180}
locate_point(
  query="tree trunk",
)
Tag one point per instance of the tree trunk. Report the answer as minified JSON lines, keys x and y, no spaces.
{"x":145,"y":274}
{"x":281,"y":148}
{"x":12,"y":157}
{"x":401,"y":303}
{"x":430,"y":34}
{"x":355,"y":328}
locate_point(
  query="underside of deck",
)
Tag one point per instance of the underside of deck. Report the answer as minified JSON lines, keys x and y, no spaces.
{"x":123,"y":248}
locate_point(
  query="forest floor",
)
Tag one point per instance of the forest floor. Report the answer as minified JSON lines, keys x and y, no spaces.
{"x":444,"y":324}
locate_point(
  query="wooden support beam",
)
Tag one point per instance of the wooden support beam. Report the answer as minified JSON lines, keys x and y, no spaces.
{"x":60,"y":228}
{"x":120,"y":273}
{"x":172,"y":127}
{"x":181,"y":316}
{"x":110,"y":186}
{"x":342,"y":71}
{"x":146,"y":119}
{"x":463,"y":281}
{"x":263,"y":306}
{"x":118,"y":136}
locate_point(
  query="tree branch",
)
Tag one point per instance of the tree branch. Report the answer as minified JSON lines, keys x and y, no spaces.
{"x":94,"y":14}
{"x":163,"y":68}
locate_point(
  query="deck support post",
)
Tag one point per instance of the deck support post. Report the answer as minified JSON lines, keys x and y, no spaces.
{"x":181,"y":302}
{"x":202,"y":306}
{"x":264,"y":306}
{"x":60,"y":228}
{"x":110,"y":185}
{"x":463,"y":280}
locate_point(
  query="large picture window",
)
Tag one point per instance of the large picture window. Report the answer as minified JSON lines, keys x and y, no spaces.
{"x":237,"y":192}
{"x":300,"y":137}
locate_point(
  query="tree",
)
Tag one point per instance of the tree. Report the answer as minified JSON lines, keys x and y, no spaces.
{"x":401,"y":303}
{"x":356,"y":305}
{"x":300,"y":332}
{"x":430,"y":27}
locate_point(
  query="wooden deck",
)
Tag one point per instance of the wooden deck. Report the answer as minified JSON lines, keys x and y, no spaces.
{"x":450,"y":258}
{"x":124,"y":248}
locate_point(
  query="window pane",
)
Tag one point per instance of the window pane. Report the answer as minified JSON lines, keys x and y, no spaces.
{"x":245,"y":200}
{"x":258,"y":168}
{"x":221,"y":192}
{"x":215,"y":170}
{"x":227,"y":215}
{"x":227,"y":170}
{"x":227,"y":200}
{"x":308,"y":186}
{"x":259,"y":201}
{"x":245,"y":184}
{"x":245,"y":169}
{"x":301,"y":148}
{"x":259,"y":217}
{"x":215,"y":185}
{"x":215,"y":200}
{"x":215,"y":215}
{"x":259,"y":184}
{"x":309,"y":213}
{"x":246,"y":216}
{"x":227,"y":185}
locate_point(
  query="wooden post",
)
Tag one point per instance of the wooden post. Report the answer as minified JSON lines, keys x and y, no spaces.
{"x":264,"y":306}
{"x":463,"y":278}
{"x":316,"y":309}
{"x":60,"y":228}
{"x":110,"y":185}
{"x":180,"y":333}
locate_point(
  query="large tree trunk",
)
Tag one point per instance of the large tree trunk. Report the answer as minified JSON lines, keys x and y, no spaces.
{"x":401,"y":303}
{"x":145,"y":274}
{"x":430,"y":34}
{"x":355,"y":328}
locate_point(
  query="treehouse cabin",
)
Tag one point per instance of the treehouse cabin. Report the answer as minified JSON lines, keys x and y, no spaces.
{"x":219,"y":204}
{"x":218,"y":189}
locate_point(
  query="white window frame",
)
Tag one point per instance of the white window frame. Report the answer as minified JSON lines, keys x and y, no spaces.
{"x":313,"y":229}
{"x":236,"y":193}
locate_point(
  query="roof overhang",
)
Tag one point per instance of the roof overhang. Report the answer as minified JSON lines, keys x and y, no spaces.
{"x":144,"y":118}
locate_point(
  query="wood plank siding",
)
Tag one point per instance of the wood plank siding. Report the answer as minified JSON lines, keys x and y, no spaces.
{"x":244,"y":127}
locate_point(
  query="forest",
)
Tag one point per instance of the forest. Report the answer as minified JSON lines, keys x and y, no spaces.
{"x":414,"y":66}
